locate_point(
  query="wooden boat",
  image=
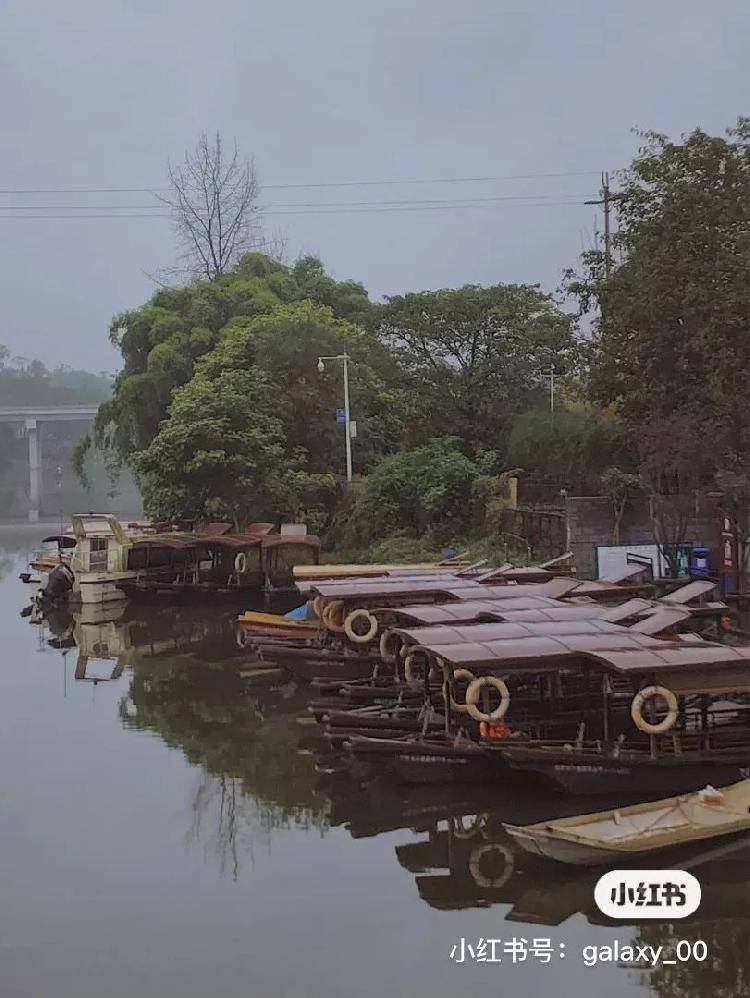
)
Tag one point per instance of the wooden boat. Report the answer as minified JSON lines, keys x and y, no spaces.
{"x":253,"y":622}
{"x":429,"y":760}
{"x":307,"y":664}
{"x":624,"y":833}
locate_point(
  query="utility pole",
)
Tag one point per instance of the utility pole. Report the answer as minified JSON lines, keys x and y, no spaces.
{"x":348,"y":426}
{"x":607,"y":236}
{"x":606,"y":201}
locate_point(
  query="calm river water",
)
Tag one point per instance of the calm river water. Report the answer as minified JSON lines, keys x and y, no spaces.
{"x":164,"y":834}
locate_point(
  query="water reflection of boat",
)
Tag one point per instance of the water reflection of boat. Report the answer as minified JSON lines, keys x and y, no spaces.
{"x":112,"y":636}
{"x":466,"y":859}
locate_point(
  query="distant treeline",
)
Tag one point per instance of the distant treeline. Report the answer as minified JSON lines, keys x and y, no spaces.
{"x":29,"y":382}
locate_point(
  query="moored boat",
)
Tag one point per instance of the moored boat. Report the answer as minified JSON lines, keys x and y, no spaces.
{"x":627,"y":832}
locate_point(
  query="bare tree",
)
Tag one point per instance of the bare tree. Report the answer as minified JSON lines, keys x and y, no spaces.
{"x":213,"y":199}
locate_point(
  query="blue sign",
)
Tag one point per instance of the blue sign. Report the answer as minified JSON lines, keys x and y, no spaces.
{"x":341,"y":415}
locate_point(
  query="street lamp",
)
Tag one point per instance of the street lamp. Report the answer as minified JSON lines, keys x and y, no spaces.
{"x":347,"y":423}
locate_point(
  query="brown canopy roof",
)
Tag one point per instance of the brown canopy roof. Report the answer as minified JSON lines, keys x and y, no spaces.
{"x":352,"y":589}
{"x":556,"y":588}
{"x":491,"y":632}
{"x":548,"y":651}
{"x":466,"y":611}
{"x":234,"y":542}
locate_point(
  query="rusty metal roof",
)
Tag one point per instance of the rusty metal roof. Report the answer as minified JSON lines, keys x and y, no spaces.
{"x":692,"y":591}
{"x":547,"y":651}
{"x":352,"y":589}
{"x":628,"y":573}
{"x":661,"y":620}
{"x":675,"y":656}
{"x":556,"y":588}
{"x":486,"y":632}
{"x":526,"y":573}
{"x":186,"y":542}
{"x":629,"y":608}
{"x":465,"y":611}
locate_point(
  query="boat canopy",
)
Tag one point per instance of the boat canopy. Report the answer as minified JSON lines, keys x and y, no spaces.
{"x":234,"y":542}
{"x":62,"y":540}
{"x":715,"y":667}
{"x":485,"y":632}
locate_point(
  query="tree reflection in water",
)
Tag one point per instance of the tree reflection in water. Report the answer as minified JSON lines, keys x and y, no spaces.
{"x":253,"y":780}
{"x":724,"y":974}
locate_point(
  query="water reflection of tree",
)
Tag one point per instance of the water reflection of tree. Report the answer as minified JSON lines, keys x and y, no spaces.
{"x":253,"y":779}
{"x":724,"y":974}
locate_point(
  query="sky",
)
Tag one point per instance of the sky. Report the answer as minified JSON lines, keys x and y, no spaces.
{"x":99,"y":96}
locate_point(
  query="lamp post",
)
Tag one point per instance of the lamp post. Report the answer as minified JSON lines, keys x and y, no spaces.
{"x":344,"y":358}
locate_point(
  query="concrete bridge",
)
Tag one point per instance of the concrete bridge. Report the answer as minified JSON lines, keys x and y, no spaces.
{"x":31,"y":417}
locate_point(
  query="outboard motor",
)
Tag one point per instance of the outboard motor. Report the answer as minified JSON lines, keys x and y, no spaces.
{"x":59,"y":583}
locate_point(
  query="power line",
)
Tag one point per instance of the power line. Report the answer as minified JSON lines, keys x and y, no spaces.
{"x":28,"y":217}
{"x":437,"y":180}
{"x":305,"y":204}
{"x":77,"y":207}
{"x":337,"y":183}
{"x":425,"y":207}
{"x":320,"y":211}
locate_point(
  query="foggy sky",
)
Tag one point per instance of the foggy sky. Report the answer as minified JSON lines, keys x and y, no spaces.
{"x":98,"y":93}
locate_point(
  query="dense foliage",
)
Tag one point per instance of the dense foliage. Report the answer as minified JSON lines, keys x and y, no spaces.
{"x":417,"y":491}
{"x":671,"y":333}
{"x":670,"y":346}
{"x":474,"y":357}
{"x":221,"y":410}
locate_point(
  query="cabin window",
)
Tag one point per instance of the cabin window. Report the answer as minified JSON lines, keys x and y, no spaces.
{"x":98,"y":558}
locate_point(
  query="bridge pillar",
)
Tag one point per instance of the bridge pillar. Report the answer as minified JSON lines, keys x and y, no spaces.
{"x":35,"y":469}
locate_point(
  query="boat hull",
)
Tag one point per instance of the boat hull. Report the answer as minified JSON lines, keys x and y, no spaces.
{"x":628,"y":777}
{"x":419,"y":761}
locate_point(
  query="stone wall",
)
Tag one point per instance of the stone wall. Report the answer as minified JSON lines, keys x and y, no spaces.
{"x":590,"y":521}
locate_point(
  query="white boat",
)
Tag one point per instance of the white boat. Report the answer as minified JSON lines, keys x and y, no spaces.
{"x":100,"y":557}
{"x":628,"y":832}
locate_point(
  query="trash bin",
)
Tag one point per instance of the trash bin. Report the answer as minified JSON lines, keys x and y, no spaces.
{"x":700,"y":562}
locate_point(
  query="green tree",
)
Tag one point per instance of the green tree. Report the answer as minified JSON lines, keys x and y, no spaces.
{"x":285,"y":344}
{"x":219,"y":453}
{"x":416,"y":491}
{"x":162,"y":342}
{"x":670,"y":345}
{"x":570,"y":446}
{"x":671,"y":321}
{"x":475,"y":356}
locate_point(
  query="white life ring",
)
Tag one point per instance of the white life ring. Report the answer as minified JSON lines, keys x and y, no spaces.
{"x":240,"y":563}
{"x":333,"y":614}
{"x":352,"y":619}
{"x":639,"y":701}
{"x":472,"y":698}
{"x":412,"y":661}
{"x":243,"y":637}
{"x":481,"y":879}
{"x":387,"y":641}
{"x":462,"y":674}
